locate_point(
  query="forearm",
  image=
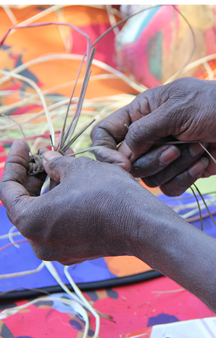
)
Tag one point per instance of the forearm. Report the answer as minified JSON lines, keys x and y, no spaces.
{"x":177,"y":249}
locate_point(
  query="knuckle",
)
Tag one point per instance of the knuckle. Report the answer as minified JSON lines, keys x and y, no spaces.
{"x":178,"y":185}
{"x":56,"y":162}
{"x":42,"y":251}
{"x":169,"y":190}
{"x":95,"y":133}
{"x":81,"y":162}
{"x":149,"y":181}
{"x":134,"y":135}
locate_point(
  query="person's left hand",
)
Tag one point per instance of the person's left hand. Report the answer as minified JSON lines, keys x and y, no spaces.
{"x":135,"y":136}
{"x":173,"y":168}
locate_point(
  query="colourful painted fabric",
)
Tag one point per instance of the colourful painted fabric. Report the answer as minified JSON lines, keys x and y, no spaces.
{"x":156,"y":44}
{"x":132,"y":308}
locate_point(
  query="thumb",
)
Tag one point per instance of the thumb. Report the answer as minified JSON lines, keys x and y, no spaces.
{"x":145,"y":132}
{"x":12,"y":188}
{"x":55,"y":164}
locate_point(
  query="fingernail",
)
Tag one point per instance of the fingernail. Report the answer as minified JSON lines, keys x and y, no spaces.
{"x":122,"y":165}
{"x":197,"y":169}
{"x":195,"y":149}
{"x":169,"y":155}
{"x":206,"y":174}
{"x":49,"y":155}
{"x":42,"y":150}
{"x":125,"y":150}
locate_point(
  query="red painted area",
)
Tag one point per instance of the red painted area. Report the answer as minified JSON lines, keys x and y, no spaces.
{"x":136,"y":304}
{"x":25,"y":109}
{"x":131,"y":309}
{"x":105,"y":47}
{"x":40,"y":323}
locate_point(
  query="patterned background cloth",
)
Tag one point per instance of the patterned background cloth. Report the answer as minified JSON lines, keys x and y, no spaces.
{"x":132,"y":307}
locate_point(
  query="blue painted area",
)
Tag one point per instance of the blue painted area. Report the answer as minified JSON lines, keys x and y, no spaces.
{"x":147,"y":19}
{"x":162,"y":318}
{"x":93,"y":295}
{"x":26,"y":72}
{"x":5,"y":47}
{"x":76,"y":325}
{"x":91,"y":271}
{"x":112,"y":294}
{"x":16,"y":260}
{"x":90,"y":333}
{"x":155,"y":46}
{"x":6,"y":333}
{"x":208,"y":225}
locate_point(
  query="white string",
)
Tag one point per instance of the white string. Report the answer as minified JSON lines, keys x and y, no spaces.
{"x":10,"y":14}
{"x":137,"y":86}
{"x":74,"y":305}
{"x":86,"y":303}
{"x":34,"y":85}
{"x":10,"y":236}
{"x":22,"y":273}
{"x":55,"y":274}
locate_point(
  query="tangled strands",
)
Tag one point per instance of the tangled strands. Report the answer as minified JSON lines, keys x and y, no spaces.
{"x":66,"y":138}
{"x":76,"y":299}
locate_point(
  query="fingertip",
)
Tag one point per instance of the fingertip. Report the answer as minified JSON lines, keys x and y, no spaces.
{"x":49,"y":155}
{"x":206,"y":174}
{"x":50,"y":168}
{"x":125,"y":150}
{"x":114,"y":157}
{"x":18,"y":146}
{"x":126,"y":166}
{"x":169,"y":155}
{"x":198,"y":168}
{"x":69,"y":151}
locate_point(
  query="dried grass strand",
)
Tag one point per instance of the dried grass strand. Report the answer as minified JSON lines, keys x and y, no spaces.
{"x":10,"y":14}
{"x":38,"y":90}
{"x":200,"y":213}
{"x":205,"y":204}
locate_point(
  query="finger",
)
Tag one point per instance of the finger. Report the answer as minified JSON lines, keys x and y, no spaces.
{"x":211,"y":169}
{"x":12,"y":189}
{"x":114,"y":157}
{"x":42,"y":150}
{"x":17,"y":165}
{"x":53,"y":165}
{"x":182,"y":182}
{"x":123,"y":124}
{"x":145,"y":132}
{"x":56,"y":165}
{"x":17,"y":162}
{"x":154,"y":161}
{"x":112,"y":130}
{"x":189,"y":155}
{"x":69,"y":151}
{"x":109,"y":133}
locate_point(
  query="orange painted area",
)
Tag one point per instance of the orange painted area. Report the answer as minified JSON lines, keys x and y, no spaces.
{"x":145,"y":333}
{"x":125,"y":265}
{"x":155,"y":191}
{"x":30,"y":43}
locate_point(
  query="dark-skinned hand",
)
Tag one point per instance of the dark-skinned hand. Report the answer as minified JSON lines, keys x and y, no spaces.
{"x":183,"y":110}
{"x":81,"y":217}
{"x":96,"y":209}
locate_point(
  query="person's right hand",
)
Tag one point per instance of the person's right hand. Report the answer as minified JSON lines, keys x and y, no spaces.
{"x":91,"y":211}
{"x":184,"y":110}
